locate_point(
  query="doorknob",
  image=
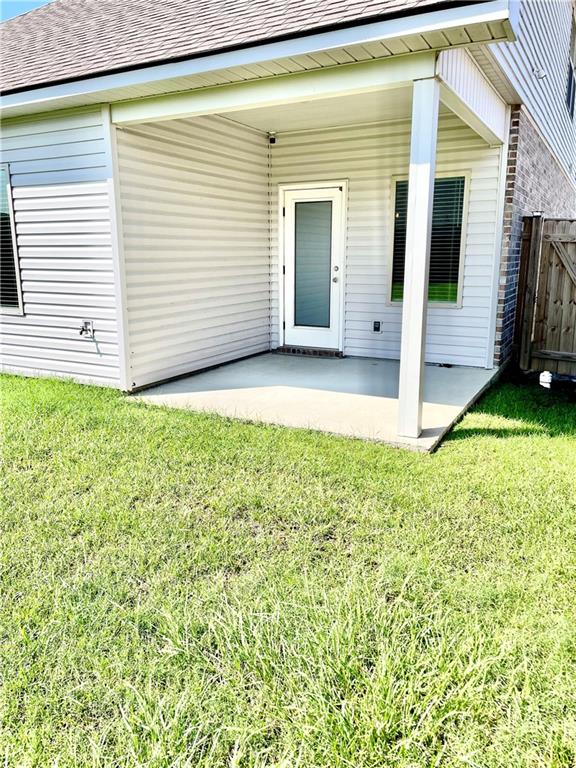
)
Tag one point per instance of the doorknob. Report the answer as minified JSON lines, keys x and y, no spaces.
{"x":334,"y":279}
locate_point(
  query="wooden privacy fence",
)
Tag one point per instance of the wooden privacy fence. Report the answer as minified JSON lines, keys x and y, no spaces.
{"x":546,"y":314}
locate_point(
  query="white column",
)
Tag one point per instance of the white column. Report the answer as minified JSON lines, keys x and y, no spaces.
{"x":425,"y":100}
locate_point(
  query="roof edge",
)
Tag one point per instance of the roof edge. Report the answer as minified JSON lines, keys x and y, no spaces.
{"x":403,"y":13}
{"x":111,"y":86}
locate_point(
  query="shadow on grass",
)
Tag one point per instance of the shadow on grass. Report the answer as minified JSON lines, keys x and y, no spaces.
{"x":519,"y":407}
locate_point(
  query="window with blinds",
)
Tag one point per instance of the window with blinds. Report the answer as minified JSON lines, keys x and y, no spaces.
{"x":9,"y":295}
{"x":445,"y":246}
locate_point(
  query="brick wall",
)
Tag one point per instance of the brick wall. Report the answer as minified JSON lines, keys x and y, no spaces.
{"x":534,"y":182}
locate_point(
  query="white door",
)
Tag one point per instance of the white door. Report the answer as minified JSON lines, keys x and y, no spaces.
{"x":313,"y":266}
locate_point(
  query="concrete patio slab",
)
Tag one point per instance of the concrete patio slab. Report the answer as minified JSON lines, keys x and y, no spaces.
{"x":355,"y":397}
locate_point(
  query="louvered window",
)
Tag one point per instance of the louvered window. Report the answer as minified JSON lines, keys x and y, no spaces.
{"x":9,"y":293}
{"x":446,"y":240}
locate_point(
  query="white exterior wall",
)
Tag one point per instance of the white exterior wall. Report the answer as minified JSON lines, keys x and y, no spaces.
{"x":369,"y":157}
{"x":543,"y":44}
{"x":199,"y":218}
{"x":195,"y":211}
{"x":62,"y":198}
{"x":470,"y":92}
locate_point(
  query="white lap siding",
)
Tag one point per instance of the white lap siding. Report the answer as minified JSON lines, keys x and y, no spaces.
{"x":195,"y":211}
{"x":370,"y":156}
{"x":59,"y":167}
{"x":543,"y":46}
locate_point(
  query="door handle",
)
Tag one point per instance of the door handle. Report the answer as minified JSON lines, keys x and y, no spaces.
{"x":334,"y":279}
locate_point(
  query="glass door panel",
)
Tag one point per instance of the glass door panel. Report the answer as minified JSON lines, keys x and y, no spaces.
{"x":312,"y":254}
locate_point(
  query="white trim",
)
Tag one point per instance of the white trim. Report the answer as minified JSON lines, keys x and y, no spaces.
{"x":467,"y":174}
{"x":117,"y":251}
{"x":309,"y":185}
{"x":339,"y":80}
{"x":498,"y":241}
{"x":19,"y":310}
{"x":449,"y":18}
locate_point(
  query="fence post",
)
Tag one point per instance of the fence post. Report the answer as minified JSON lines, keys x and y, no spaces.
{"x":527,"y":287}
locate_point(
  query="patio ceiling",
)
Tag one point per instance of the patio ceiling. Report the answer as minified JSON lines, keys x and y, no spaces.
{"x":352,"y":94}
{"x":357,"y":109}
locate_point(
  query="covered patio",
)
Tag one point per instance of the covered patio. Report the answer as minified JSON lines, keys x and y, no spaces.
{"x":353,"y":397}
{"x":230,"y":195}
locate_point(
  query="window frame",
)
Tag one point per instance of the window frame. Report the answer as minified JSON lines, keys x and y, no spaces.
{"x":571,"y":91}
{"x":570,"y":97}
{"x":466,"y":175}
{"x":19,"y":310}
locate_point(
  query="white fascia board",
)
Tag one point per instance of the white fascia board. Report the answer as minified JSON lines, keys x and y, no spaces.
{"x":375,"y":75}
{"x":449,"y":18}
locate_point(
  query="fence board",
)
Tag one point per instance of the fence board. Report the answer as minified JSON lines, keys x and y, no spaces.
{"x":546,"y":318}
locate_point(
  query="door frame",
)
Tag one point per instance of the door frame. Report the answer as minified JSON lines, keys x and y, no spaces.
{"x":312,"y":185}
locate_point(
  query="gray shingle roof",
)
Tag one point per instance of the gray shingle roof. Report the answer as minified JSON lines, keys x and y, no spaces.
{"x":70,"y":39}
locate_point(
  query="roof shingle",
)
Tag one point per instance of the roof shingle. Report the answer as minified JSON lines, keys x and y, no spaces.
{"x":71,"y":39}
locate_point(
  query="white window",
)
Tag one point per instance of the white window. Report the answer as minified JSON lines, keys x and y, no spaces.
{"x":10,"y":288}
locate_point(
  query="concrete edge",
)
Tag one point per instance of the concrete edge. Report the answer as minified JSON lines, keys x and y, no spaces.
{"x":474,"y":399}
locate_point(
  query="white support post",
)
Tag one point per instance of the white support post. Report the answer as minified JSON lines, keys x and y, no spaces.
{"x":425,"y":100}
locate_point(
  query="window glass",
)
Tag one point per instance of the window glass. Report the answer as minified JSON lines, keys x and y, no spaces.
{"x":313,"y":246}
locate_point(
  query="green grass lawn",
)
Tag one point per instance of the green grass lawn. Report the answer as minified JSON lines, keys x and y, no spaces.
{"x":182,"y":590}
{"x":436,"y":292}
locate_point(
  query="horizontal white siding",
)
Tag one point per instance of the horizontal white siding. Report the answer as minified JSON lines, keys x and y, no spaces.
{"x":464,"y":77}
{"x":57,"y":148}
{"x":60,"y":166}
{"x":195,"y":211}
{"x":543,"y":44}
{"x":369,"y":157}
{"x":66,"y":266}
